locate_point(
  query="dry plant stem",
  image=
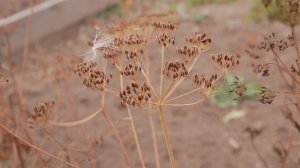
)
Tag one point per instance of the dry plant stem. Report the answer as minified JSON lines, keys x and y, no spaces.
{"x":167,"y":137}
{"x":64,"y":147}
{"x":182,"y":95}
{"x":150,"y":117}
{"x":258,"y":154}
{"x":116,"y":132}
{"x":154,"y":138}
{"x":78,"y":122}
{"x":289,"y":147}
{"x":161,"y":70}
{"x":133,"y":128}
{"x":135,"y":137}
{"x":19,"y":153}
{"x":35,"y":147}
{"x":14,"y":82}
{"x":118,"y":138}
{"x":287,"y":71}
{"x":282,"y":75}
{"x":26,"y":43}
{"x":149,"y":83}
{"x":186,"y":104}
{"x":296,"y":42}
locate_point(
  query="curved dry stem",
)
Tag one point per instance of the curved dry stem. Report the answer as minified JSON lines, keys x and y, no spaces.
{"x":133,"y":127}
{"x":186,"y":104}
{"x":286,"y":71}
{"x":182,"y":95}
{"x":167,"y":137}
{"x":111,"y":92}
{"x":161,"y":70}
{"x":154,"y":138}
{"x":136,"y":137}
{"x":78,"y":122}
{"x":118,"y":138}
{"x":36,"y":148}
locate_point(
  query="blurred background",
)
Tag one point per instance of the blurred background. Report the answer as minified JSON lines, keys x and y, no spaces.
{"x":42,"y":40}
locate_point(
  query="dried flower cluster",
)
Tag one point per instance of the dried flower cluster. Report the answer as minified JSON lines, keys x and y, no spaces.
{"x":270,"y":43}
{"x":175,"y":70}
{"x":264,"y":69}
{"x":295,"y":68}
{"x":205,"y":84}
{"x":199,"y":40}
{"x":163,"y":25}
{"x":226,"y":63}
{"x":266,"y":95}
{"x":131,"y":71}
{"x":166,"y":40}
{"x":135,"y":95}
{"x":135,"y":39}
{"x":132,"y":55}
{"x":91,"y":76}
{"x":187,"y":53}
{"x":41,"y":113}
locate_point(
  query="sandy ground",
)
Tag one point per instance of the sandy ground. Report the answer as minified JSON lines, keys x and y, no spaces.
{"x":200,"y":138}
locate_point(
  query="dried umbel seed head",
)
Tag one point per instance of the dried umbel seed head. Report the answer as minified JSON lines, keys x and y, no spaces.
{"x":91,"y":76}
{"x":132,"y":55}
{"x":238,"y":87}
{"x":41,"y":113}
{"x":205,"y":84}
{"x":175,"y":70}
{"x":266,"y":95}
{"x":111,"y":54}
{"x":135,"y":40}
{"x":165,"y":40}
{"x":295,"y":68}
{"x":163,"y":26}
{"x":131,"y":71}
{"x":270,"y":43}
{"x":187,"y":52}
{"x":118,"y":41}
{"x":199,"y":40}
{"x":226,"y":63}
{"x":135,"y":95}
{"x":264,"y":69}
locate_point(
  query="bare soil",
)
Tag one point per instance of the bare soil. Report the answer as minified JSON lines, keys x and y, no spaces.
{"x":200,"y":138}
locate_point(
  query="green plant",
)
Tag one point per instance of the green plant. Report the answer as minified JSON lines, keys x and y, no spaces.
{"x":223,"y":95}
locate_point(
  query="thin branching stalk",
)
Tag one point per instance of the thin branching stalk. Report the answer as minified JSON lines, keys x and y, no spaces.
{"x":4,"y":128}
{"x":133,"y":127}
{"x":154,"y":138}
{"x":185,"y":104}
{"x":161,"y":70}
{"x":136,"y":137}
{"x":150,"y":117}
{"x":116,"y":133}
{"x":294,"y":35}
{"x":167,"y":137}
{"x":78,"y":122}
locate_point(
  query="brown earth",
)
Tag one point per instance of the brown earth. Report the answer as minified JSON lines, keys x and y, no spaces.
{"x":200,"y":138}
